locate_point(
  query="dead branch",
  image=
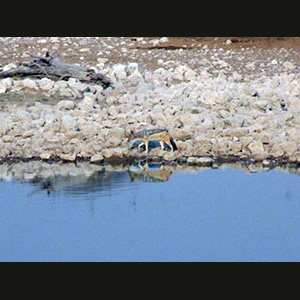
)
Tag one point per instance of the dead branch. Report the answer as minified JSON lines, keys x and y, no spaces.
{"x":55,"y":68}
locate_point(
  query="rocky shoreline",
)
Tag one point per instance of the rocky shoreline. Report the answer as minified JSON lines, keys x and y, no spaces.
{"x":208,"y":116}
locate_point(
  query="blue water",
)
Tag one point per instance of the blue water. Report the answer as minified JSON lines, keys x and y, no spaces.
{"x":212,"y":215}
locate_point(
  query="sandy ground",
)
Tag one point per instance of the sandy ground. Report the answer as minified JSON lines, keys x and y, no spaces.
{"x":250,"y":56}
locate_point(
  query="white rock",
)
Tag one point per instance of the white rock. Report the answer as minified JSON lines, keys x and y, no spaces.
{"x":164,"y":40}
{"x":113,"y":142}
{"x":4,"y":152}
{"x":46,"y":84}
{"x":28,"y":133}
{"x":88,"y":102}
{"x":9,"y":67}
{"x":2,"y":89}
{"x":236,"y":132}
{"x":288,"y":65}
{"x":124,"y":50}
{"x":42,"y":41}
{"x":45,"y":155}
{"x":262,"y":104}
{"x":256,"y":147}
{"x":97,"y":158}
{"x":65,"y":92}
{"x":3,"y":127}
{"x":29,"y":83}
{"x":8,"y":82}
{"x":199,"y":160}
{"x":287,"y":116}
{"x":65,"y":104}
{"x":155,"y":42}
{"x":134,"y":68}
{"x":8,"y":139}
{"x":180,"y":134}
{"x":102,"y":60}
{"x":205,"y":160}
{"x":84,"y":50}
{"x":68,"y":157}
{"x":118,"y":72}
{"x":237,"y":76}
{"x":189,"y":119}
{"x":68,"y":123}
{"x":251,"y":65}
{"x":118,"y":133}
{"x":183,"y":73}
{"x":75,"y":84}
{"x":169,"y":155}
{"x":118,"y":152}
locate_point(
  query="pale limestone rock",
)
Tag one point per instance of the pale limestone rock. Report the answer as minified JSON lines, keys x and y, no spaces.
{"x":45,"y":155}
{"x":88,"y":103}
{"x":184,"y":73}
{"x":9,"y":67}
{"x":76,"y":84}
{"x":288,"y":65}
{"x":7,"y":82}
{"x":29,"y":83}
{"x":118,"y":152}
{"x":235,"y":132}
{"x":256,"y":147}
{"x":28,"y":134}
{"x":118,"y":72}
{"x":97,"y":158}
{"x":68,"y":123}
{"x":190,"y":119}
{"x":2,"y":89}
{"x":4,"y":151}
{"x":46,"y":84}
{"x":3,"y":126}
{"x":170,"y":155}
{"x":134,"y":68}
{"x":8,"y":139}
{"x":237,"y":76}
{"x":65,"y":104}
{"x":199,"y":160}
{"x":262,"y":104}
{"x":68,"y":157}
{"x":287,"y":116}
{"x":117,"y":133}
{"x":113,"y":142}
{"x":180,"y":134}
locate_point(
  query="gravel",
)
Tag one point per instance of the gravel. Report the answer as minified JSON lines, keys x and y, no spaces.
{"x":215,"y":101}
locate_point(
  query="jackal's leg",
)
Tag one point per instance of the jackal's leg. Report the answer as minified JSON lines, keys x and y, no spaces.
{"x":162,"y":145}
{"x":168,"y":142}
{"x":140,"y":145}
{"x":147,"y":146}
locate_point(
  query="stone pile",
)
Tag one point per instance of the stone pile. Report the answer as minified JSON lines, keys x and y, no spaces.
{"x":207,"y":116}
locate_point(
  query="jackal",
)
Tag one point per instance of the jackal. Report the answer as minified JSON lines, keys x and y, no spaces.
{"x":161,"y":135}
{"x":147,"y":175}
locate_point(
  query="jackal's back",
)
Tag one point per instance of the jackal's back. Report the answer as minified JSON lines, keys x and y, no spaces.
{"x":148,"y":132}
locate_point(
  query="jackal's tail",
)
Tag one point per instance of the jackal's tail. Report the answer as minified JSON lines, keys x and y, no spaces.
{"x":173,"y":144}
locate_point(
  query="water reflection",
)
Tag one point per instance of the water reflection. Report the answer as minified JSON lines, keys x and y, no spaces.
{"x":80,"y":184}
{"x":85,"y":178}
{"x":150,"y":173}
{"x":149,"y":212}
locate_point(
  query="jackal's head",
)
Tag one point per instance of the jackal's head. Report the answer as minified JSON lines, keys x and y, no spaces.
{"x":130,"y":135}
